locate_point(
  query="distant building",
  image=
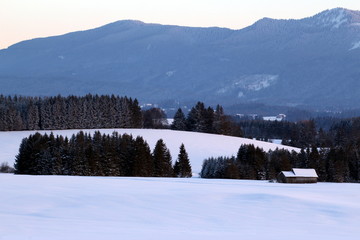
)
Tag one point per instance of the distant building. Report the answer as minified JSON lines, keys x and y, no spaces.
{"x":298,"y":175}
{"x":278,"y":118}
{"x":247,"y":116}
{"x":168,"y":122}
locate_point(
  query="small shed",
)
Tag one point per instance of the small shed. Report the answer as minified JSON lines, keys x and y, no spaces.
{"x":298,"y":175}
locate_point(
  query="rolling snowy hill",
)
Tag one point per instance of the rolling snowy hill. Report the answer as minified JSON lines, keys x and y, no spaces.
{"x":198,"y":145}
{"x":312,"y":61}
{"x":64,"y":207}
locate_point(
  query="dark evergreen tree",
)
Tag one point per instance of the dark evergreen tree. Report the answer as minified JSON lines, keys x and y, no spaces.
{"x":162,"y":160}
{"x":143,"y":165}
{"x":23,"y":161}
{"x":196,"y":120}
{"x":182,"y":167}
{"x":154,"y":118}
{"x":179,"y":122}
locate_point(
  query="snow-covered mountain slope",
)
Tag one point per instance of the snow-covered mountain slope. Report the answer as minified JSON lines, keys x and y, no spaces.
{"x":312,"y":61}
{"x":64,"y":207}
{"x":198,"y":145}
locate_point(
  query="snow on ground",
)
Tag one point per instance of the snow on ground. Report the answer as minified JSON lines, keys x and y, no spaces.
{"x":66,"y":207}
{"x":198,"y":145}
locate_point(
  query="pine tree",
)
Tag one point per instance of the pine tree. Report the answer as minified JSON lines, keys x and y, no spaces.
{"x":200,"y":119}
{"x":179,"y":122}
{"x":182,"y":167}
{"x":143,"y":165}
{"x":162,"y":160}
{"x":22,"y":159}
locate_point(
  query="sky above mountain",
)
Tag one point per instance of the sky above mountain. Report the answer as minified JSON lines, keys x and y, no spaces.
{"x":23,"y":19}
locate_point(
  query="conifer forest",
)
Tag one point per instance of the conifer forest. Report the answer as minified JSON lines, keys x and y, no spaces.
{"x":330,"y":145}
{"x":98,"y":155}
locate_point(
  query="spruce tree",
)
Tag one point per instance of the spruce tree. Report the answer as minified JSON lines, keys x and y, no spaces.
{"x":143,"y":165}
{"x":182,"y":167}
{"x":179,"y":122}
{"x":22,"y":160}
{"x":162,"y":160}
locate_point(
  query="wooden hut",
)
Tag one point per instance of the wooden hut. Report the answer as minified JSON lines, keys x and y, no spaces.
{"x":298,"y":175}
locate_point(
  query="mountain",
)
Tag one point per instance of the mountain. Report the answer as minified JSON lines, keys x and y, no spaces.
{"x":313,"y":61}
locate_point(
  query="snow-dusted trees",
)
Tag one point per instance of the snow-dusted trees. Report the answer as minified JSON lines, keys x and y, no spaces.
{"x":221,"y":167}
{"x":90,"y":111}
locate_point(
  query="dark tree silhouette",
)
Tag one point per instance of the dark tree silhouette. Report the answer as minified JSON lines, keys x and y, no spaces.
{"x":182,"y":167}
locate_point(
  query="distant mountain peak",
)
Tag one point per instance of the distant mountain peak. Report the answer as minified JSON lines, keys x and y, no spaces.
{"x":130,"y":22}
{"x":337,"y":17}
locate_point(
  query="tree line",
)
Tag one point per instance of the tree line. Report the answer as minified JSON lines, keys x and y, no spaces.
{"x":336,"y":164}
{"x":93,"y":111}
{"x":320,"y":132}
{"x":98,"y":155}
{"x":206,"y":120}
{"x":72,"y":112}
{"x":300,"y":134}
{"x":334,"y":153}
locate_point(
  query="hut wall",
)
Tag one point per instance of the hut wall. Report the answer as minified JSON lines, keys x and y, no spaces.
{"x":281,"y":178}
{"x":301,"y":180}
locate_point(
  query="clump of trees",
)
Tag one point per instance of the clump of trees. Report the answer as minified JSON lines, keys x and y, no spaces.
{"x":90,"y":111}
{"x":154,"y":118}
{"x":331,"y":164}
{"x":300,"y":134}
{"x":206,"y":120}
{"x":98,"y":155}
{"x":94,"y":111}
{"x":320,"y":132}
{"x":5,"y":168}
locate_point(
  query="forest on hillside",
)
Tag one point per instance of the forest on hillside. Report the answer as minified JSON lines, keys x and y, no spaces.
{"x":330,"y":145}
{"x":93,"y":111}
{"x":90,"y":111}
{"x":332,"y":165}
{"x":334,"y":154}
{"x":320,"y":132}
{"x":98,"y":155}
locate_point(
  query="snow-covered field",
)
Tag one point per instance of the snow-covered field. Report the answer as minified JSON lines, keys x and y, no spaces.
{"x":198,"y":145}
{"x":65,"y":207}
{"x":68,"y":207}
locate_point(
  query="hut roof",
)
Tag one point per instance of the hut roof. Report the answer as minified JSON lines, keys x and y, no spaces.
{"x":300,"y":172}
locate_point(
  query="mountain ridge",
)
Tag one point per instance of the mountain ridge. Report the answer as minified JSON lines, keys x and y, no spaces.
{"x":312,"y":61}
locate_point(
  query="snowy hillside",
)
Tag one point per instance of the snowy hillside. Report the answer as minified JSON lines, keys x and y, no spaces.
{"x":198,"y":145}
{"x":64,"y":207}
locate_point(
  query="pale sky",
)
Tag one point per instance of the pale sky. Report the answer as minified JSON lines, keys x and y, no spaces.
{"x":27,"y":19}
